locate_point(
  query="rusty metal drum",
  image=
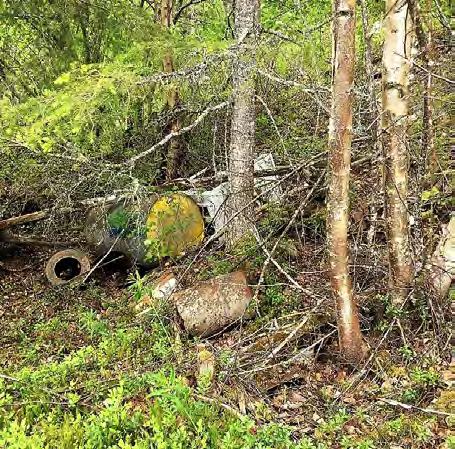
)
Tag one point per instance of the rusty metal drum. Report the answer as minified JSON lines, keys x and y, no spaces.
{"x":148,"y":230}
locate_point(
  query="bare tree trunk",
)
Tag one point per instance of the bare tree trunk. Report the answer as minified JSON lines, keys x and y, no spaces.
{"x":174,"y":150}
{"x":243,"y":124}
{"x":378,"y":172}
{"x":396,"y":62}
{"x":340,"y":138}
{"x":425,"y":41}
{"x":427,"y":166}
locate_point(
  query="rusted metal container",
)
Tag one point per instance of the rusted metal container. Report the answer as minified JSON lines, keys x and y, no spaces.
{"x":148,"y":230}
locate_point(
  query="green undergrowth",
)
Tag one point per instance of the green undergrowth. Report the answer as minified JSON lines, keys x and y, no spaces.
{"x":119,"y":389}
{"x":123,"y":380}
{"x":151,"y":410}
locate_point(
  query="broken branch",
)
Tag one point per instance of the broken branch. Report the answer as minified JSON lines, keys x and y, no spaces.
{"x":182,"y":131}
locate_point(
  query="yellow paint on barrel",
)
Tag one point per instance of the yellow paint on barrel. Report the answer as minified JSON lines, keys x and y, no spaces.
{"x":174,"y":225}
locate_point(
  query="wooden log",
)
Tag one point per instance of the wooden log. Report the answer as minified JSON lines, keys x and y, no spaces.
{"x":22,"y":219}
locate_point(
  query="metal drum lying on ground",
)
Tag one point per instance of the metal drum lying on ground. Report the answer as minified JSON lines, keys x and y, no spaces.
{"x":146,"y":231}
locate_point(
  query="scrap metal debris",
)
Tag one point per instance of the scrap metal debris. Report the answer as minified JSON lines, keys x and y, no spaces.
{"x":146,"y":231}
{"x":211,"y":306}
{"x":162,"y":288}
{"x":265,"y":162}
{"x":66,"y":265}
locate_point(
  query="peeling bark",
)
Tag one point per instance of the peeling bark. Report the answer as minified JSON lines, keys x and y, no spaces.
{"x":340,"y":139}
{"x":241,"y":151}
{"x":396,"y":62}
{"x":425,"y":177}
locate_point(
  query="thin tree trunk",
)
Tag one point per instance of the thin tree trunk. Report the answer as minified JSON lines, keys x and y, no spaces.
{"x":174,"y":150}
{"x":340,"y":138}
{"x":396,"y":62}
{"x":425,"y":41}
{"x":243,"y":122}
{"x":426,"y":169}
{"x":378,"y":172}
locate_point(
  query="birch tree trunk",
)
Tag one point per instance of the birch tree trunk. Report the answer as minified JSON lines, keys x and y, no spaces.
{"x":243,"y":124}
{"x":396,"y":62}
{"x":174,"y":149}
{"x":340,"y":138}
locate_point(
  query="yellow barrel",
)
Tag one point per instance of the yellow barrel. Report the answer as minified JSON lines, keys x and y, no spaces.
{"x":174,"y":224}
{"x":147,"y":231}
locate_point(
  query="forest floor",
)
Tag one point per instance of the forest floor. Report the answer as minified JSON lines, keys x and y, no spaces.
{"x":80,"y":367}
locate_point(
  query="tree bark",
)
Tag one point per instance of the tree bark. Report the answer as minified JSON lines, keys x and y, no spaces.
{"x":340,"y":138}
{"x":396,"y":62}
{"x":425,"y":41}
{"x":174,"y":149}
{"x":427,"y":167}
{"x":243,"y":126}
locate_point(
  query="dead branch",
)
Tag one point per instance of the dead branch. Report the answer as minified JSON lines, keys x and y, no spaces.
{"x":45,"y":213}
{"x":414,"y":407}
{"x":447,"y":80}
{"x":185,"y":6}
{"x":182,"y":131}
{"x":220,"y":404}
{"x":6,"y":237}
{"x":270,"y":254}
{"x":27,"y":218}
{"x":311,"y":92}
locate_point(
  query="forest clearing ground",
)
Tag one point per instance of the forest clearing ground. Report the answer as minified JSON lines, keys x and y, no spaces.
{"x":70,"y":348}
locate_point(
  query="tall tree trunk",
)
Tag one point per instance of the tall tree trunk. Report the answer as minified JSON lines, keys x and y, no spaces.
{"x":378,"y":172}
{"x":425,"y":170}
{"x":340,"y":138}
{"x":174,"y":149}
{"x":396,"y":62}
{"x":425,"y":41}
{"x":243,"y":123}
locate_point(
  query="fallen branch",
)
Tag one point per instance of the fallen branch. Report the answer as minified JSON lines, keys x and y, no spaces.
{"x":12,"y":379}
{"x":414,"y":407}
{"x":220,"y":404}
{"x":19,"y":240}
{"x":443,"y":78}
{"x":222,"y":176}
{"x":41,"y":214}
{"x":182,"y":131}
{"x":27,"y":218}
{"x":300,"y":356}
{"x":283,"y":233}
